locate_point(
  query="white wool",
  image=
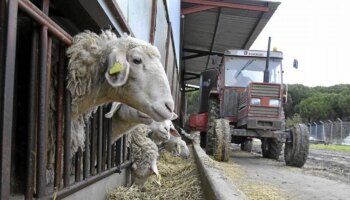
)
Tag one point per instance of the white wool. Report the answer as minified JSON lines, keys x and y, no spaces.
{"x":90,"y":85}
{"x":144,"y":155}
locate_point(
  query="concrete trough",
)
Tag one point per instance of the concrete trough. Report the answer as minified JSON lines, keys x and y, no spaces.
{"x":215,"y":184}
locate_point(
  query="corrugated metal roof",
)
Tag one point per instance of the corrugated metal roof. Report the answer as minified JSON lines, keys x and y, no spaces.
{"x":231,"y":28}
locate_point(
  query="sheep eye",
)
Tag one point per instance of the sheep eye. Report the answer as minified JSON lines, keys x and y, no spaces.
{"x":137,"y":61}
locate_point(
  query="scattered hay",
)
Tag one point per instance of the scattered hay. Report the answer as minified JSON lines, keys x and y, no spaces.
{"x":252,"y":189}
{"x":180,"y":180}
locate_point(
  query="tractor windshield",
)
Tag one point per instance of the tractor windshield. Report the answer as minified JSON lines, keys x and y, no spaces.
{"x":240,"y":71}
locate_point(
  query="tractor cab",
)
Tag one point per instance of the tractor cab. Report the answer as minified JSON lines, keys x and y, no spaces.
{"x":245,"y":99}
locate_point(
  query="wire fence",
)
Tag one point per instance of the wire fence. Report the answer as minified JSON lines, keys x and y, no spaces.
{"x":329,"y":132}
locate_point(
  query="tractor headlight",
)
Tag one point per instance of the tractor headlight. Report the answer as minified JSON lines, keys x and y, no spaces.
{"x":255,"y":101}
{"x":274,"y":102}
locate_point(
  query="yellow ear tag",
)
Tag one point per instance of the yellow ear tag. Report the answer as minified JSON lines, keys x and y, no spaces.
{"x":117,"y":67}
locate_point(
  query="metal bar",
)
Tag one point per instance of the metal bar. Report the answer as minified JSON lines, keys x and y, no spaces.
{"x":99,"y":140}
{"x":214,"y":36}
{"x":119,"y":151}
{"x":228,"y":5}
{"x":67,"y":137}
{"x":44,"y":84}
{"x":78,"y":186}
{"x":195,"y":9}
{"x":104,"y":137}
{"x":32,"y":115}
{"x":125,"y":150}
{"x":7,"y":97}
{"x":202,"y":52}
{"x":29,"y":8}
{"x":60,"y":109}
{"x":153,"y":21}
{"x":109,"y":145}
{"x":93,"y":145}
{"x":117,"y":12}
{"x":86,"y":152}
{"x":168,"y":35}
{"x":78,"y":165}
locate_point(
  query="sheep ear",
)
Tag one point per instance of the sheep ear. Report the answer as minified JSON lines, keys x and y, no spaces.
{"x":117,"y":68}
{"x":174,"y":132}
{"x":174,"y":116}
{"x":154,"y":167}
{"x":115,"y":107}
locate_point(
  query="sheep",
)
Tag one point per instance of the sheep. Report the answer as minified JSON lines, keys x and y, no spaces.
{"x":103,"y":68}
{"x":177,"y":147}
{"x":144,"y":155}
{"x":126,"y":118}
{"x":163,"y":133}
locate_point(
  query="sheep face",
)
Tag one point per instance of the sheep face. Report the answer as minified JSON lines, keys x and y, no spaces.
{"x":177,"y":147}
{"x":142,"y":82}
{"x":161,"y":131}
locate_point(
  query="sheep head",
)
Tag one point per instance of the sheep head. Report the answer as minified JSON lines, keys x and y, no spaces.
{"x":104,"y":68}
{"x":177,"y":147}
{"x":140,"y":79}
{"x":161,"y":131}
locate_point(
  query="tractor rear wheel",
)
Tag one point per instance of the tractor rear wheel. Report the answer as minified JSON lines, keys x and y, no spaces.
{"x":247,"y":145}
{"x":214,"y":113}
{"x":271,"y":148}
{"x":297,"y":147}
{"x":219,"y":140}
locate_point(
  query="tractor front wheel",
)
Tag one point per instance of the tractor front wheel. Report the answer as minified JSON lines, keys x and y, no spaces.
{"x":219,"y":140}
{"x":297,"y":146}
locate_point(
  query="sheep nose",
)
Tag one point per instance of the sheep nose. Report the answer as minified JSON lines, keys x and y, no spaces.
{"x":170,"y":106}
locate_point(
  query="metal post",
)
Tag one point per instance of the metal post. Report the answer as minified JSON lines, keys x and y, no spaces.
{"x":7,"y":96}
{"x":43,"y":107}
{"x":99,"y":140}
{"x":60,"y":109}
{"x":67,"y":138}
{"x":341,"y":129}
{"x":331,"y":135}
{"x":86,"y":152}
{"x":322,"y":131}
{"x":316,"y":130}
{"x":32,"y":121}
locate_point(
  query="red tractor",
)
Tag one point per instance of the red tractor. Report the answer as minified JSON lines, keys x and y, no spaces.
{"x":243,"y":100}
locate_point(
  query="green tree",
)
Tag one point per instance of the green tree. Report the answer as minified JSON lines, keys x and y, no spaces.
{"x":320,"y":106}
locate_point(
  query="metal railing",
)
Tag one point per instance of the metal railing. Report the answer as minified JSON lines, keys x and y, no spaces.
{"x":328,"y":131}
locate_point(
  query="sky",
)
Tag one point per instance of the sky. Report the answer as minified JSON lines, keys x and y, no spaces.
{"x":317,"y":34}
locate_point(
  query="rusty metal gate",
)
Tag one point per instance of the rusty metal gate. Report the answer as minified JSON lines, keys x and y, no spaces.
{"x":26,"y":84}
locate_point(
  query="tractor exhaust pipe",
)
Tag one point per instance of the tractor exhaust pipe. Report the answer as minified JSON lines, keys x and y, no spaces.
{"x":266,"y":71}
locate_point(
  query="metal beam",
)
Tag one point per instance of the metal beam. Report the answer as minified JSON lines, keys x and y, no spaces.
{"x":195,"y":9}
{"x":117,"y":12}
{"x":249,"y":41}
{"x":202,"y":52}
{"x":228,"y":5}
{"x":6,"y":106}
{"x":191,"y":73}
{"x":153,"y":21}
{"x":193,"y":56}
{"x":214,"y":36}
